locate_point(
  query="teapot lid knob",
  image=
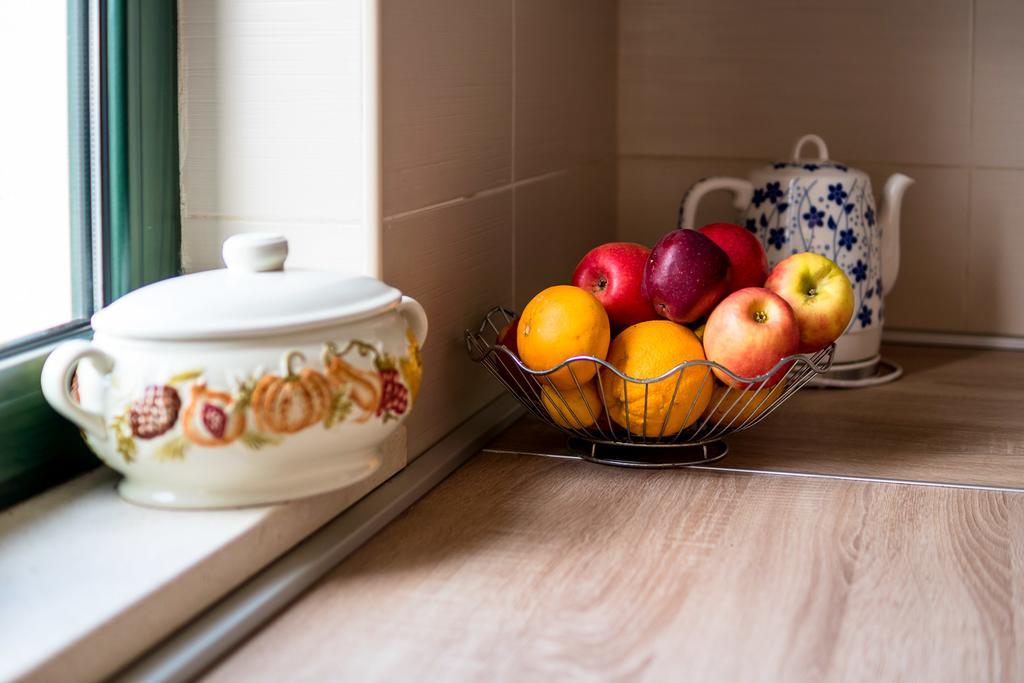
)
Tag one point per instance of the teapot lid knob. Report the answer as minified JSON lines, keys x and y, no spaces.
{"x":257,"y":252}
{"x":818,"y":142}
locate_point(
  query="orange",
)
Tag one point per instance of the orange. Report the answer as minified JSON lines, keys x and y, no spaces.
{"x":572,"y":408}
{"x":648,"y":350}
{"x":559,"y":323}
{"x":738,"y":405}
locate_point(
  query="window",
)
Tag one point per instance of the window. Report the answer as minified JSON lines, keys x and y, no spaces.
{"x":88,"y":198}
{"x":34,"y":187}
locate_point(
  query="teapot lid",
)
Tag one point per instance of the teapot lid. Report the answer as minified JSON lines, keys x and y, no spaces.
{"x":254,"y":296}
{"x":821,"y":162}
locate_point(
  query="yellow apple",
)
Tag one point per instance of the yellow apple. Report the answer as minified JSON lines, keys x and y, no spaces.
{"x":820,"y":295}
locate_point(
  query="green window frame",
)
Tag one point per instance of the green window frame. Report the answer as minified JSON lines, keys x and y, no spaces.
{"x":125,"y":214}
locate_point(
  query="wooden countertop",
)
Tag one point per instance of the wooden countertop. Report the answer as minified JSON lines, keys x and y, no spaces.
{"x":524,"y":568}
{"x":956,"y":416}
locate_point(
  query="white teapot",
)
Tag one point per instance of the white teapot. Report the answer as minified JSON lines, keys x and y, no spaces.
{"x":826,"y":207}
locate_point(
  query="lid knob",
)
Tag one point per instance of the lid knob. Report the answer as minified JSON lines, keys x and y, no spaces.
{"x":816,"y":141}
{"x":255,"y":252}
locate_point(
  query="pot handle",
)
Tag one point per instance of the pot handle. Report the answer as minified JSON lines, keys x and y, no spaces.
{"x":415,"y":316}
{"x":742,"y":189}
{"x":55,"y":381}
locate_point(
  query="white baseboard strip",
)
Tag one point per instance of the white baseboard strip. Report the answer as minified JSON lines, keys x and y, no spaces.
{"x":972,"y":341}
{"x":194,"y":648}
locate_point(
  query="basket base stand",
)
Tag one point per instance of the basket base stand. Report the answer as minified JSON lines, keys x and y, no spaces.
{"x":659,"y":457}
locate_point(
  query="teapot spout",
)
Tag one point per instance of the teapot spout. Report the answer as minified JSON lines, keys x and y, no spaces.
{"x":889,"y":222}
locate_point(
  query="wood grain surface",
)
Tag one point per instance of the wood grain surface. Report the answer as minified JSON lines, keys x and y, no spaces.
{"x":956,"y":416}
{"x":528,"y":568}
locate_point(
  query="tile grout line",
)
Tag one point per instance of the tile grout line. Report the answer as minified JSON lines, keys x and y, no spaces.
{"x":783,"y":473}
{"x":497,"y":189}
{"x":233,"y":219}
{"x":967,"y":166}
{"x":973,"y":43}
{"x":967,"y":291}
{"x":512,"y":154}
{"x":515,"y":82}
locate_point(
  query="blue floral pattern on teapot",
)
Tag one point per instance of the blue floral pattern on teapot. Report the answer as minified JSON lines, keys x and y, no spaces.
{"x":825,"y":207}
{"x":833,"y":216}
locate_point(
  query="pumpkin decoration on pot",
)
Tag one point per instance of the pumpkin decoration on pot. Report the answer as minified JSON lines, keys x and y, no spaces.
{"x":211,"y":418}
{"x":284,"y":405}
{"x":365,"y":387}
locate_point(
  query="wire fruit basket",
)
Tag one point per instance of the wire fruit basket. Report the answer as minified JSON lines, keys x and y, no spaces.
{"x":615,"y":419}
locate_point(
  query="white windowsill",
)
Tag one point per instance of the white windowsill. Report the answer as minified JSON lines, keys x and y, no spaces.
{"x":88,"y":581}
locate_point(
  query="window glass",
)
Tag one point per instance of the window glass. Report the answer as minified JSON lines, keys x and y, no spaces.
{"x":36,"y":288}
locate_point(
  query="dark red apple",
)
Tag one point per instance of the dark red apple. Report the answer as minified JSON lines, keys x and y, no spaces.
{"x":614,"y":273}
{"x":507,"y":368}
{"x":685,"y":276}
{"x":747,"y":260}
{"x":508,"y":336}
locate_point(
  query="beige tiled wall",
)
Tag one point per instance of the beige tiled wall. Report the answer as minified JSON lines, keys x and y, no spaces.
{"x":933,"y":88}
{"x":270,"y":103}
{"x":499,"y":167}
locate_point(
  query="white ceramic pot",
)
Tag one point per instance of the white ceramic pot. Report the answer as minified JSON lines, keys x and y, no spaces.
{"x":242,"y":386}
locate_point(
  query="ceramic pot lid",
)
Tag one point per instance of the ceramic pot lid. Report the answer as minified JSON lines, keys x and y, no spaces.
{"x":254,"y":296}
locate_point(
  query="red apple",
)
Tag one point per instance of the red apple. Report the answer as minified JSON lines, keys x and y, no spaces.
{"x":747,"y":261}
{"x":685,"y":276}
{"x":508,"y":336}
{"x":819,"y":293}
{"x":614,"y":273}
{"x":507,"y":368}
{"x":749,"y":332}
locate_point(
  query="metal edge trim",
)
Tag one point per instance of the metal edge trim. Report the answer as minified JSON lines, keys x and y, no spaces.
{"x":785,"y":473}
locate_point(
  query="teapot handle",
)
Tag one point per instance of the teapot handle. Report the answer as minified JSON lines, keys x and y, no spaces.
{"x":742,"y":189}
{"x":55,"y":381}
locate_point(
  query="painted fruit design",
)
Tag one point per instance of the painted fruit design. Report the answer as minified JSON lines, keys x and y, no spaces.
{"x":210,"y":418}
{"x":282,"y":403}
{"x":394,"y":399}
{"x":364,"y":387}
{"x":155,"y":412}
{"x":285,"y":405}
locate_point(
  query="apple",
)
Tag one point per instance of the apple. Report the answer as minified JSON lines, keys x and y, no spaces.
{"x":747,"y":261}
{"x":819,"y":293}
{"x":749,"y":332}
{"x":507,"y":368}
{"x":685,"y":276}
{"x":614,"y":273}
{"x":508,"y":336}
